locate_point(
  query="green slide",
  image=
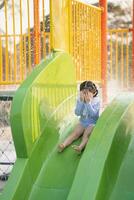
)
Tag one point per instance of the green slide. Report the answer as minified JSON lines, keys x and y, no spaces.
{"x":42,"y":111}
{"x":106,"y":169}
{"x":42,"y":115}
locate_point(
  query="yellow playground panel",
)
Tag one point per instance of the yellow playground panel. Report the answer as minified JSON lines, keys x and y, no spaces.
{"x":86,"y":41}
{"x":76,"y":28}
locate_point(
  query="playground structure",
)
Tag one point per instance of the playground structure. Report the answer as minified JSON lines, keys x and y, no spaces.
{"x":25,"y":41}
{"x":42,"y":118}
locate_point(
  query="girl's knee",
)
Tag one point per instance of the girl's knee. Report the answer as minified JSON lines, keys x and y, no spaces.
{"x":77,"y":135}
{"x":74,"y":135}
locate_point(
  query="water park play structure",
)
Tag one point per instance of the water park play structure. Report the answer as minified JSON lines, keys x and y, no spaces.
{"x":42,"y":115}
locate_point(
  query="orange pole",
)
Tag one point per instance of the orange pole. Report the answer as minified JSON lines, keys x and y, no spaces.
{"x":36,"y":32}
{"x":133,"y":47}
{"x":103,"y":5}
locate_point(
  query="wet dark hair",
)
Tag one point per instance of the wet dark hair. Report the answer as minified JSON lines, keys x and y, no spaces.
{"x":90,"y":86}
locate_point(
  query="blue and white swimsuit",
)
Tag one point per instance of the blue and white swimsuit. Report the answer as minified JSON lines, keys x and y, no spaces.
{"x":88,"y":112}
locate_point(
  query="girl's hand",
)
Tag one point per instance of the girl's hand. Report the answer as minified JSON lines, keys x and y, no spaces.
{"x":88,"y":96}
{"x":82,"y":96}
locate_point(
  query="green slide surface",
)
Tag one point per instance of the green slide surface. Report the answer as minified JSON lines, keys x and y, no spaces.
{"x":105,"y":171}
{"x":42,"y":115}
{"x":42,"y":110}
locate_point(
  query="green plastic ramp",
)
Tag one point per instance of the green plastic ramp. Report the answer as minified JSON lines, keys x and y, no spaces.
{"x":42,"y":110}
{"x":42,"y":115}
{"x":105,"y":171}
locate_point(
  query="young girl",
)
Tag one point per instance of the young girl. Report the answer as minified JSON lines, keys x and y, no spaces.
{"x":87,"y":107}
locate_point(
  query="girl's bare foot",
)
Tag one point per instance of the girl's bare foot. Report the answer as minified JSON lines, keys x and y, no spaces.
{"x":61,"y":147}
{"x":77,"y":148}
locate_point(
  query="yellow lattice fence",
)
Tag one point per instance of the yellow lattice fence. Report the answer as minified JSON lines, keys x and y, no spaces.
{"x":86,"y":41}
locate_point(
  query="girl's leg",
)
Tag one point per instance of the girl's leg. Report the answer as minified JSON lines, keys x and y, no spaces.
{"x":85,"y":137}
{"x":79,"y":129}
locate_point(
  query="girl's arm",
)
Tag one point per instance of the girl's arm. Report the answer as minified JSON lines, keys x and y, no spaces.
{"x":93,"y":108}
{"x":79,"y":107}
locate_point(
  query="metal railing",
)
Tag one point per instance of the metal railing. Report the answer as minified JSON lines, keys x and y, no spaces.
{"x":7,"y":151}
{"x":19,"y":34}
{"x":120,"y":57}
{"x":25,"y":40}
{"x":23,"y":46}
{"x":17,"y":60}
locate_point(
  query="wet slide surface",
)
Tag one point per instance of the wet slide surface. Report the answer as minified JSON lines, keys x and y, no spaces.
{"x":42,"y":115}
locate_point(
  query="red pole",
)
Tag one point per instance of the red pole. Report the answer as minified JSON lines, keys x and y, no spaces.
{"x":133,"y":47}
{"x":36,"y":32}
{"x":103,"y":5}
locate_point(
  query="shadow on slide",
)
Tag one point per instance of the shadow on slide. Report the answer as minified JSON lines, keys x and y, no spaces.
{"x":42,"y":115}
